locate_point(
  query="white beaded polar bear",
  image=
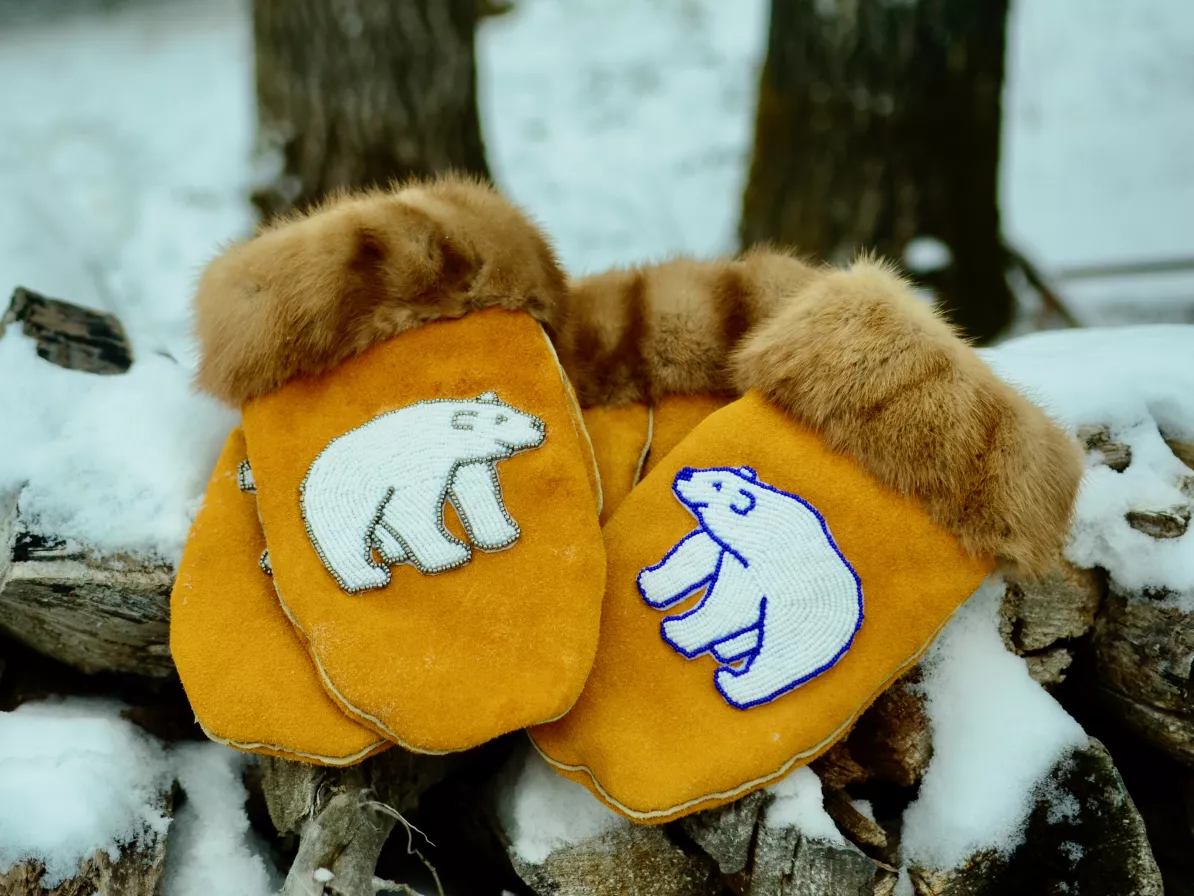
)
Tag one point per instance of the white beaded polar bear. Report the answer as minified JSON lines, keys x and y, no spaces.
{"x":383,"y":485}
{"x":779,"y":596}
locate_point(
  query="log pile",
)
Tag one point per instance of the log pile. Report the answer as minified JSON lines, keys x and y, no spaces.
{"x":1127,"y":658}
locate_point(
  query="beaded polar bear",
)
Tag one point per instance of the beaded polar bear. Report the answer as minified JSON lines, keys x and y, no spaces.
{"x":779,"y":596}
{"x":384,"y":484}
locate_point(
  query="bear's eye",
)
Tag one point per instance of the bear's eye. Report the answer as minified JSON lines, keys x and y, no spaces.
{"x":716,"y":486}
{"x":501,"y":418}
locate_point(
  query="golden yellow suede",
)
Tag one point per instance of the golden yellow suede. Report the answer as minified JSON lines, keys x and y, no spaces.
{"x":245,"y":671}
{"x":443,"y":662}
{"x":675,"y":416}
{"x":621,"y":439}
{"x":629,"y":440}
{"x":651,"y":735}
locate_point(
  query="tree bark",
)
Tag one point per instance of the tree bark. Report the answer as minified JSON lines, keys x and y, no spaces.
{"x":878,"y":122}
{"x":356,"y":93}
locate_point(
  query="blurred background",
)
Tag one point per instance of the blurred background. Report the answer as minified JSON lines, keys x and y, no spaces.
{"x":1030,"y":162}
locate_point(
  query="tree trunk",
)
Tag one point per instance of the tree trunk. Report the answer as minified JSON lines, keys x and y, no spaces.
{"x":355,"y":93}
{"x":878,"y":122}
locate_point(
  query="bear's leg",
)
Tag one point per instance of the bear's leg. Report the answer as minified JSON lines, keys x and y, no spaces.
{"x":733,"y":649}
{"x":687,"y":566}
{"x":731,"y":606}
{"x":340,"y":531}
{"x":421,"y":530}
{"x":779,"y":665}
{"x":355,"y":573}
{"x":476,"y":494}
{"x":388,"y":546}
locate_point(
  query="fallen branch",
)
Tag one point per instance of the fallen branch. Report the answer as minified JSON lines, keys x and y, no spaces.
{"x":344,"y":816}
{"x":1049,"y":297}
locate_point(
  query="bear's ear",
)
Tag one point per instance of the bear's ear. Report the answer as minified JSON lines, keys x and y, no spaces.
{"x":489,"y":398}
{"x":748,"y":473}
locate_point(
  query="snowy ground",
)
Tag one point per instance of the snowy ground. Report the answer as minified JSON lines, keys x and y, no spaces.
{"x":624,"y":127}
{"x":125,"y":152}
{"x":1098,"y":140}
{"x":76,"y":778}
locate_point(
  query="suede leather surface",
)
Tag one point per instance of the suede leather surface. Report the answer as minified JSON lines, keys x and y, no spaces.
{"x":245,"y":670}
{"x":675,"y":416}
{"x":444,"y":662}
{"x":621,"y":437}
{"x":651,"y":736}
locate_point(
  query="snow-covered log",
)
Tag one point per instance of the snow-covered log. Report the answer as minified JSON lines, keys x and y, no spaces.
{"x":135,"y":872}
{"x":96,"y":613}
{"x":563,"y":842}
{"x":1042,"y":620}
{"x":1144,"y":655}
{"x":85,"y":803}
{"x":99,"y":480}
{"x":799,"y":851}
{"x":1083,"y":835}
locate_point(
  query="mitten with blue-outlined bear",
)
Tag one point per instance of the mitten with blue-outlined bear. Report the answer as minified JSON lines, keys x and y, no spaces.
{"x":788,"y":553}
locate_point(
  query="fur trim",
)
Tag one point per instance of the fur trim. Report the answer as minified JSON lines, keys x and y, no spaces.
{"x":861,"y":360}
{"x":315,"y":289}
{"x":641,"y":333}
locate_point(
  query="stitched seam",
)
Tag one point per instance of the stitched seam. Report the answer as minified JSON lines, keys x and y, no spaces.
{"x":646,"y":452}
{"x":373,"y":720}
{"x":259,"y":745}
{"x":578,"y":420}
{"x":742,"y":789}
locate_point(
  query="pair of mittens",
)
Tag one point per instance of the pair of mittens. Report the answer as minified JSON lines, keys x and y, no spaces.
{"x":788,"y":554}
{"x":401,"y":544}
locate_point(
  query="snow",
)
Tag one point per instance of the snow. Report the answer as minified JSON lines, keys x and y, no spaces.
{"x":212,"y":848}
{"x":1063,"y":806}
{"x":1139,"y":382}
{"x":1098,"y":134}
{"x":1072,"y":851}
{"x":924,"y":254}
{"x":118,"y":463}
{"x":865,"y":808}
{"x":541,"y":811}
{"x":799,"y":804}
{"x":75,"y":778}
{"x":124,"y":161}
{"x":125,"y":157}
{"x":997,"y":735}
{"x":625,"y":128}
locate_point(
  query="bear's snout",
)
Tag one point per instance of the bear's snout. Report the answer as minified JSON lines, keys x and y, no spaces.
{"x":522,"y":432}
{"x":689,"y":491}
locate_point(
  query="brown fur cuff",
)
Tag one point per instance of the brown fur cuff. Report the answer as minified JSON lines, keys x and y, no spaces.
{"x":638,"y":334}
{"x":860,"y":359}
{"x":313,"y":290}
